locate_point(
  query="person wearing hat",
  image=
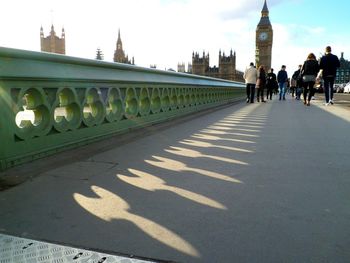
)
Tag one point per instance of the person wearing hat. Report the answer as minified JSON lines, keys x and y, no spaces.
{"x":329,"y":64}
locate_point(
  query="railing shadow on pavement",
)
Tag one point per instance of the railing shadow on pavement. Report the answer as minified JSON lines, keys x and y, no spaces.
{"x":139,"y":192}
{"x":159,"y":172}
{"x":182,"y":173}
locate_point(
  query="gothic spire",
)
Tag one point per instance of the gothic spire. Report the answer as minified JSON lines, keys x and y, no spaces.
{"x":119,"y":41}
{"x":52,"y":33}
{"x":265,"y":10}
{"x":264,"y":20}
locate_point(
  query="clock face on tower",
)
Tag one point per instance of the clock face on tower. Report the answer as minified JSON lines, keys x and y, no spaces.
{"x":263,"y":36}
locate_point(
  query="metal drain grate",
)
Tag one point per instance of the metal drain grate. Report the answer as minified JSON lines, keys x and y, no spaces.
{"x":17,"y":250}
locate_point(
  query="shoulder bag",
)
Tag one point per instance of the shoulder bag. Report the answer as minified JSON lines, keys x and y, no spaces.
{"x":309,"y":78}
{"x":258,"y":83}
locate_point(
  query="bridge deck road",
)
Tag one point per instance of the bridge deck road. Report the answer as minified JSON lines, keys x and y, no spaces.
{"x":266,"y":182}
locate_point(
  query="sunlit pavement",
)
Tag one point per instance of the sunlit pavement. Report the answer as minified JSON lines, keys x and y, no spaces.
{"x":262,"y":182}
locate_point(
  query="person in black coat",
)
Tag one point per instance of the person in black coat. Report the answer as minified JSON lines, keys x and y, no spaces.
{"x":309,"y":71}
{"x":271,"y":84}
{"x":329,"y":64}
{"x":299,"y":84}
{"x":261,"y":84}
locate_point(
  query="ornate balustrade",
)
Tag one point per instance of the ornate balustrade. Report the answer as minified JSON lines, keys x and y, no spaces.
{"x":51,"y":102}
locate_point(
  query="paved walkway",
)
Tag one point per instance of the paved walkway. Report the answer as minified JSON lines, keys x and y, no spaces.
{"x":248,"y":183}
{"x":17,"y":249}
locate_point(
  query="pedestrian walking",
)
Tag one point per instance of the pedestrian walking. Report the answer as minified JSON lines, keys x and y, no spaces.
{"x":298,"y":82}
{"x":271,"y":84}
{"x":288,"y":91}
{"x":309,"y":71}
{"x":250,"y":76}
{"x":261,"y":84}
{"x":282,"y":78}
{"x":329,"y":64}
{"x":293,"y":86}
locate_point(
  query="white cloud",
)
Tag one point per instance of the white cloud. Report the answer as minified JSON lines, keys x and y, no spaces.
{"x":293,"y":43}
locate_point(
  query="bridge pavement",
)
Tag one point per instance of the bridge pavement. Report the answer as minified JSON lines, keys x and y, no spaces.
{"x":247,"y":183}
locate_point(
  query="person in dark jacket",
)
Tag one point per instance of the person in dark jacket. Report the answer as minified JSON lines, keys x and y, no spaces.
{"x":261,"y":84}
{"x":329,"y":64}
{"x":271,"y":84}
{"x":282,"y":79}
{"x":309,"y":71}
{"x":297,"y":77}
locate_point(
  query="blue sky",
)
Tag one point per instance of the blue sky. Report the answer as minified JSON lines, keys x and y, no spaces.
{"x":332,"y":18}
{"x":328,"y":14}
{"x":309,"y":26}
{"x":166,"y":32}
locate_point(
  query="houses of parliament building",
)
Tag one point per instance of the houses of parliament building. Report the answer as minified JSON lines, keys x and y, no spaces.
{"x":54,"y":44}
{"x":119,"y":54}
{"x":226,"y":70}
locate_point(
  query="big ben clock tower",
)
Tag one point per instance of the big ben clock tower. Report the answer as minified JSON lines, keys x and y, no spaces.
{"x":263,"y":40}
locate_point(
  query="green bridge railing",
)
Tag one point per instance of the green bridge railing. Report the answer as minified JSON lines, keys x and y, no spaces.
{"x":51,"y":102}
